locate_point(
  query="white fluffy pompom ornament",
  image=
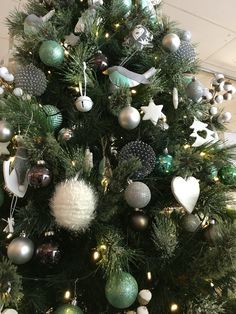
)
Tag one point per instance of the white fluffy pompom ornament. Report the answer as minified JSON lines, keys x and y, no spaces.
{"x":73,"y":205}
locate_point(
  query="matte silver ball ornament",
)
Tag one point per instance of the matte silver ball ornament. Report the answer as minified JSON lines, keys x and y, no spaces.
{"x":171,"y":42}
{"x":129,"y":118}
{"x":5,"y":131}
{"x":137,"y":194}
{"x":195,"y":90}
{"x":20,"y":250}
{"x":84,"y":103}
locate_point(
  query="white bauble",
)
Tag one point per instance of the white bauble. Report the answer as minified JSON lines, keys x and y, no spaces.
{"x":142,"y":310}
{"x":18,"y":92}
{"x":1,"y":91}
{"x":144,"y":297}
{"x":8,"y":77}
{"x":213,"y":110}
{"x":219,"y":99}
{"x":219,"y":76}
{"x":73,"y":205}
{"x":9,"y":311}
{"x":3,"y":71}
{"x":226,"y":116}
{"x":228,"y":86}
{"x":84,"y":103}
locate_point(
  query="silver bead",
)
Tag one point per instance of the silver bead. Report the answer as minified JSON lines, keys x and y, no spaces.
{"x":137,"y":195}
{"x":20,"y":250}
{"x":171,"y":42}
{"x":129,"y":118}
{"x":5,"y":131}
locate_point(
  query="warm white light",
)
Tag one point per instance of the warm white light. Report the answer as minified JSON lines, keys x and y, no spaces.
{"x":96,"y":256}
{"x":107,"y":35}
{"x":149,"y":275}
{"x":174,"y":307}
{"x":67,"y":295}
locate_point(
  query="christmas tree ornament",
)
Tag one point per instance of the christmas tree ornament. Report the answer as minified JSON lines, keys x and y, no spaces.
{"x":84,"y":103}
{"x":140,"y":37}
{"x":33,"y":23}
{"x":185,"y":53}
{"x":20,"y":250}
{"x":129,"y":118}
{"x":228,"y":86}
{"x":65,"y":135}
{"x":194,"y":90}
{"x":71,"y":40}
{"x":53,"y":115}
{"x":207,"y":94}
{"x":227,"y":174}
{"x":171,"y":42}
{"x":48,"y":251}
{"x":95,"y":2}
{"x":198,"y":126}
{"x":5,"y":131}
{"x":153,"y":112}
{"x":88,"y":160}
{"x":3,"y":71}
{"x":9,"y":311}
{"x":213,"y":233}
{"x":227,"y":96}
{"x":186,"y":192}
{"x":39,"y":176}
{"x":68,"y":309}
{"x":18,"y":92}
{"x":211,"y":172}
{"x":138,"y":220}
{"x":231,"y":205}
{"x":144,"y":297}
{"x":31,"y":80}
{"x":190,"y":222}
{"x":142,"y":310}
{"x":213,"y":110}
{"x":137,"y":194}
{"x":175,"y":98}
{"x":226,"y":117}
{"x":127,"y":5}
{"x":51,"y":53}
{"x":186,"y":36}
{"x":1,"y":197}
{"x":148,"y":6}
{"x":219,"y":99}
{"x":122,"y":77}
{"x":3,"y":148}
{"x":121,"y":290}
{"x":87,"y":21}
{"x":73,"y":205}
{"x":99,"y":61}
{"x":164,"y":164}
{"x":144,"y":153}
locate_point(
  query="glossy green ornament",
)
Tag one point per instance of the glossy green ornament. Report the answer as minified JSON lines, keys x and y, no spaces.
{"x":68,"y":309}
{"x":1,"y":197}
{"x":54,"y":116}
{"x":51,"y":53}
{"x":121,"y":290}
{"x":227,"y":174}
{"x":164,"y":164}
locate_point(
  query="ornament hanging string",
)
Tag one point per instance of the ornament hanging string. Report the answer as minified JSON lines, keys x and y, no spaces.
{"x":85,"y":81}
{"x":10,"y":221}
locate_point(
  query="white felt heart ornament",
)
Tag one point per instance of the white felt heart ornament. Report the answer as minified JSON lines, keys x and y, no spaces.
{"x":186,"y":191}
{"x":9,"y":311}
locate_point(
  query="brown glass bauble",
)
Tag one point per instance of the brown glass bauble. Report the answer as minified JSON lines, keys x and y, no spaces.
{"x":48,"y":252}
{"x":138,"y":220}
{"x":39,"y":175}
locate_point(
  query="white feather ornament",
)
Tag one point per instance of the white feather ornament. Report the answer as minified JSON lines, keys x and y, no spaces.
{"x":73,"y":205}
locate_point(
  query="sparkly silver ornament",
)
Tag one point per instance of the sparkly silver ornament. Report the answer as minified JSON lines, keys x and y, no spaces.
{"x":185,"y":53}
{"x":137,"y":195}
{"x":190,"y":222}
{"x":84,"y":103}
{"x":129,"y":118}
{"x":194,"y":90}
{"x":20,"y":250}
{"x":5,"y":131}
{"x":186,"y":35}
{"x":65,"y":135}
{"x":171,"y":42}
{"x":140,"y":37}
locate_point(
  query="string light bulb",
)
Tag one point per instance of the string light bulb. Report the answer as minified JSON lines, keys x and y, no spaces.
{"x":107,"y":35}
{"x":96,"y":256}
{"x":186,"y":146}
{"x":117,"y":25}
{"x":133,"y":91}
{"x":174,"y":307}
{"x":67,"y":295}
{"x":149,"y":276}
{"x":202,"y":154}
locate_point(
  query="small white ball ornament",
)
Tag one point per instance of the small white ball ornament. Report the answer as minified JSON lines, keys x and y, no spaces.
{"x":226,"y":116}
{"x":142,"y":310}
{"x":219,"y":99}
{"x":213,"y":110}
{"x":3,"y":71}
{"x":9,"y":311}
{"x":144,"y":297}
{"x":73,"y":205}
{"x":84,"y":103}
{"x":18,"y":92}
{"x":8,"y":77}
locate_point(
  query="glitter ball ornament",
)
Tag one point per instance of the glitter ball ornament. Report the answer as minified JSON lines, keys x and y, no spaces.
{"x":51,"y":53}
{"x":164,"y":164}
{"x":144,"y":153}
{"x":190,"y":222}
{"x":137,"y":195}
{"x":121,"y":290}
{"x":39,"y":176}
{"x":138,"y":220}
{"x":48,"y":251}
{"x":31,"y":80}
{"x":53,"y":115}
{"x":68,"y":309}
{"x":5,"y":131}
{"x":211,"y":173}
{"x":73,"y":205}
{"x":227,"y":174}
{"x":20,"y":250}
{"x":185,"y":53}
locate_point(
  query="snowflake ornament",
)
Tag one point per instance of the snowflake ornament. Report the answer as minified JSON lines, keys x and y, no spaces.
{"x":153,"y":112}
{"x":199,"y":126}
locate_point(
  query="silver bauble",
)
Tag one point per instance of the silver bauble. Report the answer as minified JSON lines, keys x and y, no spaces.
{"x":137,"y":194}
{"x":65,"y":135}
{"x":144,"y":297}
{"x":5,"y":131}
{"x":20,"y":250}
{"x":190,"y":222}
{"x":171,"y":42}
{"x":84,"y":103}
{"x":187,"y":35}
{"x":194,"y":90}
{"x":129,"y":118}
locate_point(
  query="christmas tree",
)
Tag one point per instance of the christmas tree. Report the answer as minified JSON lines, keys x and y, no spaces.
{"x":117,"y":194}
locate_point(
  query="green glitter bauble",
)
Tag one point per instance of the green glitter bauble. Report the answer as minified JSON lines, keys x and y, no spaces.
{"x":54,"y":116}
{"x":51,"y":53}
{"x":211,"y":173}
{"x":121,"y":290}
{"x":164,"y":164}
{"x":68,"y":309}
{"x":1,"y":197}
{"x":227,"y":174}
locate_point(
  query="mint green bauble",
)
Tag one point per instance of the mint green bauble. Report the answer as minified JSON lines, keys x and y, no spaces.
{"x":54,"y":116}
{"x":164,"y":164}
{"x":68,"y":309}
{"x":227,"y":174}
{"x":51,"y":53}
{"x":127,"y":4}
{"x":121,"y":290}
{"x":1,"y":197}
